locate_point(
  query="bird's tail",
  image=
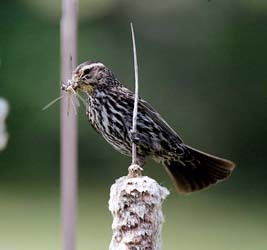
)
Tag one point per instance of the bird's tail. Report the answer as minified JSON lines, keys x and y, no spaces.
{"x":196,"y":170}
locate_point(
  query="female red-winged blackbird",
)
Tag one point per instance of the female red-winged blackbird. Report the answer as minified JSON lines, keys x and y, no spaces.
{"x":110,"y":110}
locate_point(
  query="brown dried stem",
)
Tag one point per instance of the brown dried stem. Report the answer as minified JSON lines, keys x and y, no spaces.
{"x":135,"y":169}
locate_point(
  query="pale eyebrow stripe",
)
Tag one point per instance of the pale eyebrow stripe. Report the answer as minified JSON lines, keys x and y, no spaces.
{"x":92,"y":66}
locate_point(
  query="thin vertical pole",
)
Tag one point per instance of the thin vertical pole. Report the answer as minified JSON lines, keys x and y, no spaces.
{"x":135,"y":109}
{"x":68,"y":40}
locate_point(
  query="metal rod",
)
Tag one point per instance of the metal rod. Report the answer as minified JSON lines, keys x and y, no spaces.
{"x":68,"y":127}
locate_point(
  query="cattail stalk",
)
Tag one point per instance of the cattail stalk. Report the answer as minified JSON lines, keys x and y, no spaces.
{"x":135,"y":109}
{"x":136,"y":200}
{"x":136,"y":207}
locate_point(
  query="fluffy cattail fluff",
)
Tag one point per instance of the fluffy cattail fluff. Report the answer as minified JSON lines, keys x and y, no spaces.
{"x":136,"y":206}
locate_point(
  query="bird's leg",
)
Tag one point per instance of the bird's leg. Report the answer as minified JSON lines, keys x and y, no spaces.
{"x":135,"y":169}
{"x":145,"y":146}
{"x":139,"y":139}
{"x":134,"y":137}
{"x":140,"y":160}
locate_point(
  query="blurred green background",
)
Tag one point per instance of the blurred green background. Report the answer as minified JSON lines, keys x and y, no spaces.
{"x":202,"y":65}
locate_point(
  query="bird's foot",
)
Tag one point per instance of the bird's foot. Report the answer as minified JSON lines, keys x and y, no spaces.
{"x":134,"y":137}
{"x":134,"y":171}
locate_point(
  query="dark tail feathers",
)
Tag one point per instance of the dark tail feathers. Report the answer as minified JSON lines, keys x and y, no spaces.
{"x":197,"y":170}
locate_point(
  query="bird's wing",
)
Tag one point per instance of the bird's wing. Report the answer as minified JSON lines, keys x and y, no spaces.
{"x":156,"y":117}
{"x":149,"y":110}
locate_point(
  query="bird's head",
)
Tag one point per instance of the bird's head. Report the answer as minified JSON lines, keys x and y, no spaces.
{"x":90,"y":75}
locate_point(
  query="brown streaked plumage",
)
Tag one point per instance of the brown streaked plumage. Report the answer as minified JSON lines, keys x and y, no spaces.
{"x":109,"y":111}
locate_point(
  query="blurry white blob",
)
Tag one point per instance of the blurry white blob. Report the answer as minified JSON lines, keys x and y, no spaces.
{"x":4,"y":109}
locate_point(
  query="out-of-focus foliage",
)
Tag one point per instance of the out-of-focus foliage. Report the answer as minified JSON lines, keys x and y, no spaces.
{"x":201,"y":65}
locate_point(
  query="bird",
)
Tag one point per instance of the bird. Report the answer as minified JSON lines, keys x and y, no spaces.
{"x":109,"y":110}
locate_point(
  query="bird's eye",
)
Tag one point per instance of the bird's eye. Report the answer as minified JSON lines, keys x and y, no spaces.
{"x":87,"y":71}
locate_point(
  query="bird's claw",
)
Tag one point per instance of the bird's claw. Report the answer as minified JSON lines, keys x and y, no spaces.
{"x":134,"y":136}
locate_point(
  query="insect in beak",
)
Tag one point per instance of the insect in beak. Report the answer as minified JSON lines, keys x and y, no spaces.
{"x":72,"y":99}
{"x":71,"y":88}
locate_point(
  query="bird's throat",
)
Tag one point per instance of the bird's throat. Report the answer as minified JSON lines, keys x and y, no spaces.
{"x":87,"y":89}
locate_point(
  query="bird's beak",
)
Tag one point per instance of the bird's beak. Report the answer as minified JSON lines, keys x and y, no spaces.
{"x":75,"y":82}
{"x":75,"y":85}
